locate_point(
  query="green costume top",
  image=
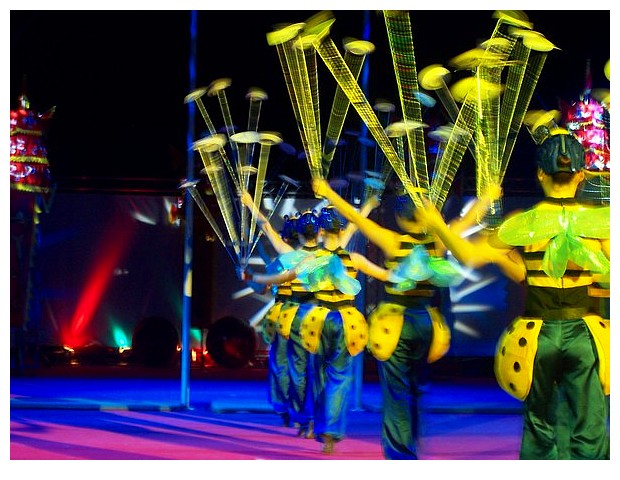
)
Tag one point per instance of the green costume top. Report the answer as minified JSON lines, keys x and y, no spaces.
{"x":561,"y":250}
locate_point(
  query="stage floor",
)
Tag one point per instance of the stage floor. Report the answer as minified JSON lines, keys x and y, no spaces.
{"x":104,"y":418}
{"x":57,"y":417}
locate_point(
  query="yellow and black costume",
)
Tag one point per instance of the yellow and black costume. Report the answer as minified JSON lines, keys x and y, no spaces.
{"x":406,"y":332}
{"x":559,"y":341}
{"x":289,"y":323}
{"x":334,"y":330}
{"x":279,"y":379}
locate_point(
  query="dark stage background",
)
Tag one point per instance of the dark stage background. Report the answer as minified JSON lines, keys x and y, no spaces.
{"x":108,"y":258}
{"x":118,"y":78}
{"x":107,"y":264}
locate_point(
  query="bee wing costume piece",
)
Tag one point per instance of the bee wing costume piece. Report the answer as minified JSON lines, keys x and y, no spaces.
{"x":294,"y":259}
{"x":566,"y":231}
{"x":386,"y":322}
{"x":329,"y":270}
{"x":269,"y":324}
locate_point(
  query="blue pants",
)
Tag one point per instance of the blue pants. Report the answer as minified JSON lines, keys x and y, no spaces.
{"x":400,"y":377}
{"x":300,"y":371}
{"x":279,"y":378}
{"x":333,"y":379}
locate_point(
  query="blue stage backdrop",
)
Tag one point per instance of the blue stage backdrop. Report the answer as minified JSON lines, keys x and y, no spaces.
{"x":105,"y":262}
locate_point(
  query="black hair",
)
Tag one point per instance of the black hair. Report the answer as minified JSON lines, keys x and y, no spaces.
{"x":308,"y":224}
{"x":289,"y":228}
{"x":560,"y":153}
{"x":330,"y":220}
{"x":404,"y":206}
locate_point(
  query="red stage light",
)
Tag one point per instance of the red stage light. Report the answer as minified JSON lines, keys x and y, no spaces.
{"x":112,"y":248}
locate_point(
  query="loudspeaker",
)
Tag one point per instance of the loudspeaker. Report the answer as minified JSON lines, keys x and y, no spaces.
{"x":154,"y":342}
{"x":231,"y":342}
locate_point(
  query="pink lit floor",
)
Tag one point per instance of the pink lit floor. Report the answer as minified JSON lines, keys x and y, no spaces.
{"x":79,"y":418}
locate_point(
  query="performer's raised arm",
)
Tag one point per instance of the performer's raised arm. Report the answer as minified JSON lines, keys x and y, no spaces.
{"x":272,"y":235}
{"x":368,"y":206}
{"x":385,"y":239}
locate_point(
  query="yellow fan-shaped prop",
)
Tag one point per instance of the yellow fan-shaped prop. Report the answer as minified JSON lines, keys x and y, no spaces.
{"x":533,"y":40}
{"x":517,"y":18}
{"x":433,"y":77}
{"x":473,"y":88}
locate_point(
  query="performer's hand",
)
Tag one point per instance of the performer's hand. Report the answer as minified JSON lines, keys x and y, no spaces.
{"x":244,"y":275}
{"x":373,"y":202}
{"x":246,"y":199}
{"x":321,"y":187}
{"x":429,"y":215}
{"x":492,"y":193}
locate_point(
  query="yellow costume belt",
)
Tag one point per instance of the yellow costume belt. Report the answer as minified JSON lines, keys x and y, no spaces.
{"x":516,"y":350}
{"x":287,"y":313}
{"x":353,"y":321}
{"x":386,"y":324}
{"x":270,"y":322}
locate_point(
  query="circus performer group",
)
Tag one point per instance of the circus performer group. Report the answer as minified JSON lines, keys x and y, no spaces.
{"x":556,"y":250}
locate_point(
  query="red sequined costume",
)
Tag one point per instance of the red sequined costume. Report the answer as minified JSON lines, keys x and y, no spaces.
{"x":29,"y":166}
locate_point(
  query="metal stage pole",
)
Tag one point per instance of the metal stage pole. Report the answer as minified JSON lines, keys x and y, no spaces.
{"x":189,"y":224}
{"x":358,"y":361}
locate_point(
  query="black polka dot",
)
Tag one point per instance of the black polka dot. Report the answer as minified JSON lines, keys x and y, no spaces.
{"x":522,"y":342}
{"x":530,"y":325}
{"x":516,"y":367}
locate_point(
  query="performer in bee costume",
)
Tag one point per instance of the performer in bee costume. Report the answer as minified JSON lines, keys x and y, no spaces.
{"x":336,"y":330}
{"x":285,"y":318}
{"x":332,"y":329}
{"x":558,"y":342}
{"x":272,"y":329}
{"x":406,"y":330}
{"x":288,"y":322}
{"x":289,"y":326}
{"x":278,"y":370}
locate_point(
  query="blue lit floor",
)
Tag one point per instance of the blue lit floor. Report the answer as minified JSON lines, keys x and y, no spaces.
{"x":142,"y":418}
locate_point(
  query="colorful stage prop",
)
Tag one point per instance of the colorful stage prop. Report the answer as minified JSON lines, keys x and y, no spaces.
{"x":233,"y":162}
{"x":486,"y":114}
{"x":31,"y":191}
